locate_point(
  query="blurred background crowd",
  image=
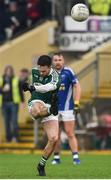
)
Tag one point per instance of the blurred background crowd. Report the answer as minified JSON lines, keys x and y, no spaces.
{"x":16,"y":16}
{"x":19,"y":16}
{"x":11,"y":98}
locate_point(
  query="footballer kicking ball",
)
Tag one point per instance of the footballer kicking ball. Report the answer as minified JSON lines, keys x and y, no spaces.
{"x":79,"y":12}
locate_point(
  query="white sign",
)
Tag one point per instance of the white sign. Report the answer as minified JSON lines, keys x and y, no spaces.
{"x":81,"y":41}
{"x":71,"y":25}
{"x":92,"y":24}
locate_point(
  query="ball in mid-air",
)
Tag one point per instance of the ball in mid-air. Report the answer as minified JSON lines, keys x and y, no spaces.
{"x":80,"y":12}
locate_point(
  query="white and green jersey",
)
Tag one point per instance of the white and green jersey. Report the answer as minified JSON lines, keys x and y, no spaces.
{"x":45,"y":86}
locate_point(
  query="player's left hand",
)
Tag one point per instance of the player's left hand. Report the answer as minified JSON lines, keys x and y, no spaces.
{"x":76,"y":107}
{"x":25,"y":86}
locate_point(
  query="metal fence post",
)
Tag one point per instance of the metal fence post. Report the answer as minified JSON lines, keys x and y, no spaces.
{"x":53,"y":9}
{"x":96,"y":76}
{"x":35,"y":132}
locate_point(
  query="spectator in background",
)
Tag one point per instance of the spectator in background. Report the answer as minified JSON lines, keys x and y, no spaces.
{"x":6,"y":3}
{"x":24,"y":75}
{"x":2,"y":23}
{"x":33,"y":11}
{"x":17,"y":17}
{"x":22,"y":2}
{"x":11,"y":96}
{"x":102,"y":7}
{"x":46,"y":9}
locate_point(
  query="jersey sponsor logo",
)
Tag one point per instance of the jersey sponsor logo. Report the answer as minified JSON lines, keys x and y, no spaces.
{"x":46,"y":79}
{"x":35,"y":75}
{"x":40,"y":78}
{"x":62,"y":87}
{"x":63,"y":77}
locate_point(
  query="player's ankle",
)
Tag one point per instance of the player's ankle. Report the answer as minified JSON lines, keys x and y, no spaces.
{"x":56,"y":156}
{"x":75,"y":155}
{"x":43,"y":161}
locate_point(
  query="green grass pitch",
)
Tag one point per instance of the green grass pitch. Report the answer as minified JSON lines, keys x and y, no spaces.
{"x":14,"y":166}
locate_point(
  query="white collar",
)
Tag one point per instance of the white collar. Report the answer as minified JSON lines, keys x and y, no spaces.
{"x":50,"y":72}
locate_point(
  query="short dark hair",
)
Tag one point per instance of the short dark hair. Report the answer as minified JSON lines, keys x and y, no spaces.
{"x":44,"y":60}
{"x":57,"y":54}
{"x":24,"y":70}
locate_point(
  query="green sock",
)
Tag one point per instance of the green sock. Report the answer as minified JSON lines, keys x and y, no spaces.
{"x":43,"y":161}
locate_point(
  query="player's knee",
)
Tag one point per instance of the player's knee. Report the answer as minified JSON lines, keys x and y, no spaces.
{"x":70,"y":134}
{"x":53,"y":139}
{"x":39,"y":110}
{"x":35,"y":112}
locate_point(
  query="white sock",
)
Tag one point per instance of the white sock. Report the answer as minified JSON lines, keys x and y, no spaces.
{"x":75,"y":156}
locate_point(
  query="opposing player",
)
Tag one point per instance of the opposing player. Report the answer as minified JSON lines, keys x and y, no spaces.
{"x":68,"y":97}
{"x":42,"y":104}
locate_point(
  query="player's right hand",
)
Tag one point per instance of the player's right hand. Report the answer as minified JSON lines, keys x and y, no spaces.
{"x":27,"y":87}
{"x":76,"y":107}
